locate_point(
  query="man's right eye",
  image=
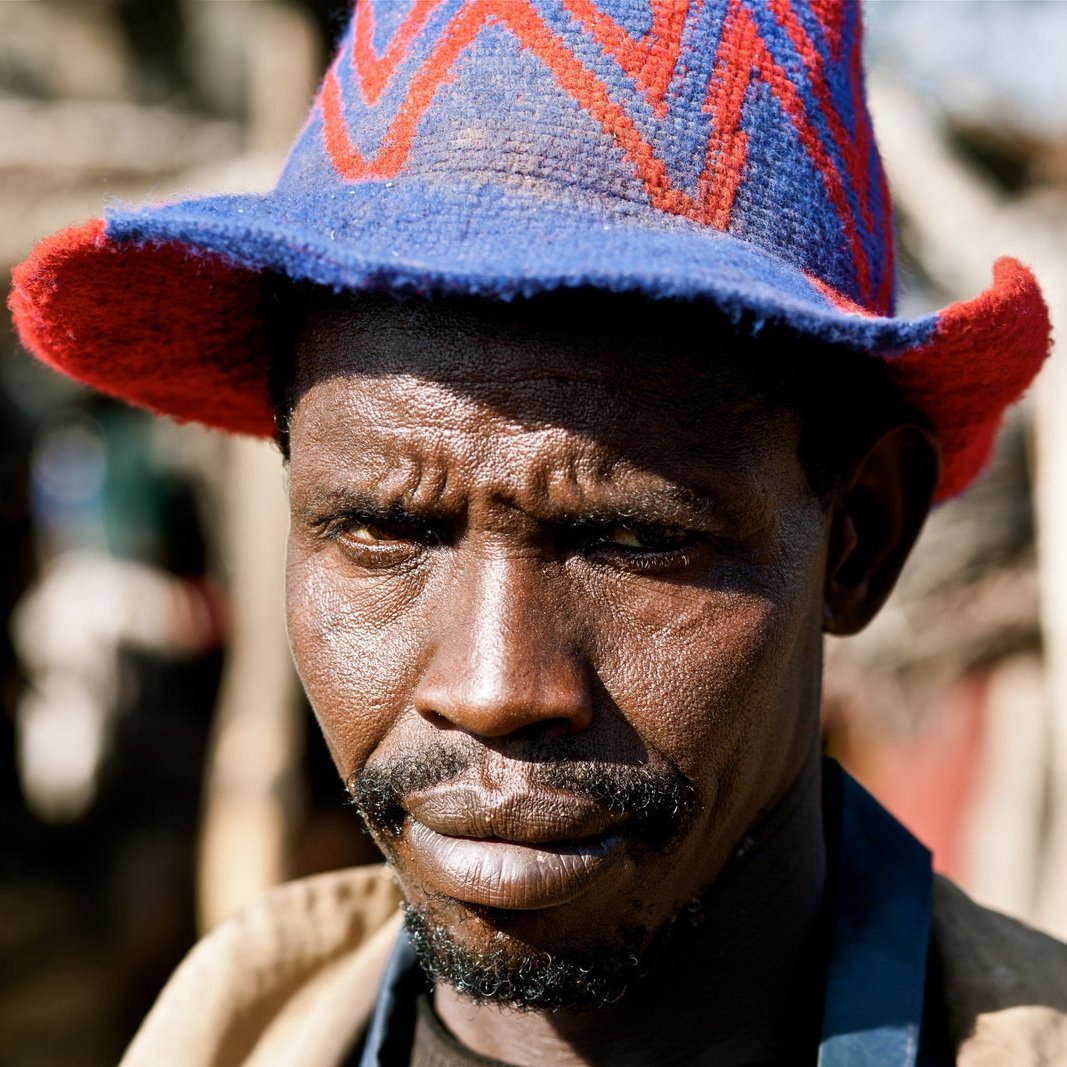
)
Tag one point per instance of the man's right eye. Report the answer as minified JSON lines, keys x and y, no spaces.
{"x":369,"y":533}
{"x":374,"y":541}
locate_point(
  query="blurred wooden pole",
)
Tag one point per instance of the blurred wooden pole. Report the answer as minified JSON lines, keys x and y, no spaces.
{"x":961,"y":226}
{"x":253,"y":787}
{"x":1051,"y":445}
{"x":252,"y":792}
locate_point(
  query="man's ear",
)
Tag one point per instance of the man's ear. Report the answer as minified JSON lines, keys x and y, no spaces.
{"x":876,"y":515}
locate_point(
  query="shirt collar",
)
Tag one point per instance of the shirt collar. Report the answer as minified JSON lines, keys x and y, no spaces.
{"x":883,"y":886}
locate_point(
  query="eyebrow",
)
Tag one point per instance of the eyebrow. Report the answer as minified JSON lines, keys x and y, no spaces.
{"x":673,"y":505}
{"x":351,"y":501}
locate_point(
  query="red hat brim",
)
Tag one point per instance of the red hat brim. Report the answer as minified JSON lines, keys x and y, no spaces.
{"x":180,"y":332}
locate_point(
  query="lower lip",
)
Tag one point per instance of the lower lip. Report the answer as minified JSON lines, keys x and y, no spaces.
{"x":507,"y":874}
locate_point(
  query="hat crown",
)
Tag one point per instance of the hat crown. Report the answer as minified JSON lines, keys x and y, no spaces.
{"x":744,"y":116}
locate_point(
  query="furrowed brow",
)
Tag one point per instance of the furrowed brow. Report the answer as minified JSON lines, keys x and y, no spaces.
{"x":672,"y":506}
{"x":350,"y":501}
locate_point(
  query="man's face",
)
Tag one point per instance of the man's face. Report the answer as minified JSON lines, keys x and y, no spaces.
{"x":556,"y":599}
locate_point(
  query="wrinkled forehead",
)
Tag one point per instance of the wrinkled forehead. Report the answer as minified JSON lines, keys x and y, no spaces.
{"x":583,"y":361}
{"x":540,"y":403}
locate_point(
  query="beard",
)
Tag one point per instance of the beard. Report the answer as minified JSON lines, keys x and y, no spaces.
{"x":517,"y":975}
{"x":509,"y":970}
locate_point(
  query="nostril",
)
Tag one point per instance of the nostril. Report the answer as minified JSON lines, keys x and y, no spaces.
{"x":436,"y":719}
{"x":495,"y":703}
{"x":504,"y":719}
{"x":558,"y":727}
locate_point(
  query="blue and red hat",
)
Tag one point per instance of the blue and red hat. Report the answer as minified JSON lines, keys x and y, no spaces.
{"x":690,"y":149}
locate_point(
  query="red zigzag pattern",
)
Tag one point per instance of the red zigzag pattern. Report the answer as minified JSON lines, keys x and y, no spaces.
{"x":650,"y":61}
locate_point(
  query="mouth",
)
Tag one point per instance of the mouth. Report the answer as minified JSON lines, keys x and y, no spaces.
{"x":517,"y":852}
{"x":513,"y":875}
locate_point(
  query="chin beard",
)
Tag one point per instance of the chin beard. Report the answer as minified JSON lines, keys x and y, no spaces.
{"x":660,"y":804}
{"x":517,"y":975}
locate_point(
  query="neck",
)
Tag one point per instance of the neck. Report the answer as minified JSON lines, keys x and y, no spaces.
{"x":743,"y":986}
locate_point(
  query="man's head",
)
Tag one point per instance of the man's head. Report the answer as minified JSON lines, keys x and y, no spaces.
{"x":557,"y":584}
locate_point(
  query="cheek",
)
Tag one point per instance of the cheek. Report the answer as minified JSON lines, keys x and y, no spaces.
{"x":354,"y":648}
{"x":719,"y":680}
{"x":684,"y":677}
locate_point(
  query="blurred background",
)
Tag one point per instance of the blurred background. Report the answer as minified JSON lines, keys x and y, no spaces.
{"x":159,"y":765}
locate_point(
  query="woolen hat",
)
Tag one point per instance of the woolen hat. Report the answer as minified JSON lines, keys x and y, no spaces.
{"x":715,"y":150}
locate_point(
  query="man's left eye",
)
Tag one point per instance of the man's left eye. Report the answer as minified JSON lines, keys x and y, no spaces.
{"x":643,"y":538}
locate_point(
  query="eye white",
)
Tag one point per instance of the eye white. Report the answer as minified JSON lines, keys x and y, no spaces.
{"x":367,"y":533}
{"x":627,"y":537}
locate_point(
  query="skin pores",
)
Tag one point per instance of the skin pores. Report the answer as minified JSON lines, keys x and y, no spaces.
{"x":516,"y":549}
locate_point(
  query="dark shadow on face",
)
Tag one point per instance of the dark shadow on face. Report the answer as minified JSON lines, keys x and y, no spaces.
{"x":639,"y":378}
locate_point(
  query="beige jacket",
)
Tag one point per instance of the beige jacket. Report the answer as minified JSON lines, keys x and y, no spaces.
{"x":293,"y":979}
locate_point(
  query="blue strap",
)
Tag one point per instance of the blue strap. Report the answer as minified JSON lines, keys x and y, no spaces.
{"x":877,"y":976}
{"x":395,"y":1000}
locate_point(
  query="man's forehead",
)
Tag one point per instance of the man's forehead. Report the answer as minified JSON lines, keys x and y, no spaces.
{"x":426,"y":403}
{"x":597,"y":342}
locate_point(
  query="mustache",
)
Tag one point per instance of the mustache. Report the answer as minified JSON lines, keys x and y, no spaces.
{"x":659,"y":802}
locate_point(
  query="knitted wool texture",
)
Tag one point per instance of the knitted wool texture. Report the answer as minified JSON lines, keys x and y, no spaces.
{"x":712,"y":150}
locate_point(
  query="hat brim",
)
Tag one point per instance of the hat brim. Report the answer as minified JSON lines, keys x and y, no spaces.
{"x":162,"y":306}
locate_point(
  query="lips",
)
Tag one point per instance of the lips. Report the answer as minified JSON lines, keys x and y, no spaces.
{"x":528,"y":816}
{"x":519,"y":851}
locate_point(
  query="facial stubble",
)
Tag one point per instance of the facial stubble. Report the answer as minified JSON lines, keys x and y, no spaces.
{"x":508,"y":968}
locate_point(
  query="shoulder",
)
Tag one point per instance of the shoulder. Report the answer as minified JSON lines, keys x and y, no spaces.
{"x":1004,"y":984}
{"x":289,"y":975}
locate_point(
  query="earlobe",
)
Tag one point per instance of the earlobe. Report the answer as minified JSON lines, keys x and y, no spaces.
{"x":875,"y":517}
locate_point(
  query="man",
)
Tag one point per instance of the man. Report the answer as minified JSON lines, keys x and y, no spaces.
{"x":573,"y":321}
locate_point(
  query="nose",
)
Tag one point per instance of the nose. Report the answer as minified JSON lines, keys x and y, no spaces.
{"x":500,"y":660}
